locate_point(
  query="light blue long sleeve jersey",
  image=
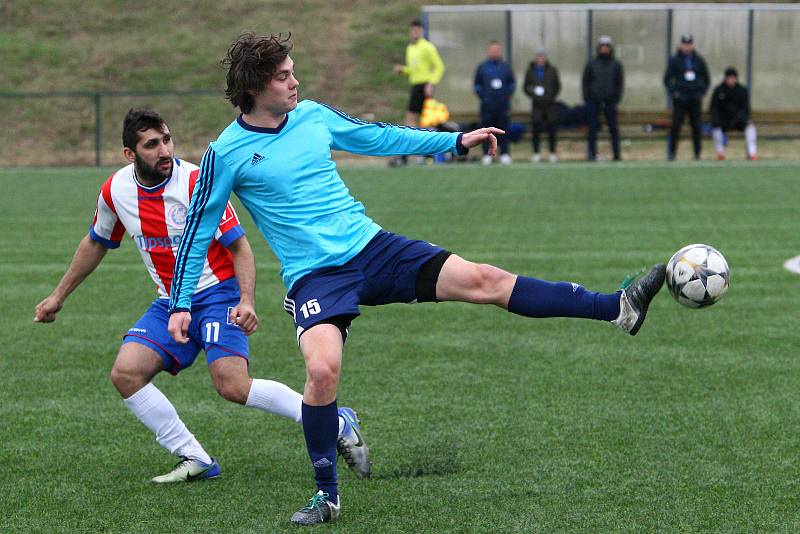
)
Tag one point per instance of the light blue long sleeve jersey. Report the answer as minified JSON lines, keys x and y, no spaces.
{"x":286,"y":179}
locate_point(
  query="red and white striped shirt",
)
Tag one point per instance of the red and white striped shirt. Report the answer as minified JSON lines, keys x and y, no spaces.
{"x":155,"y":218}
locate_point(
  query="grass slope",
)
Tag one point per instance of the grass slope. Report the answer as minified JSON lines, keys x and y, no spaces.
{"x":479,"y":421}
{"x":343,"y":51}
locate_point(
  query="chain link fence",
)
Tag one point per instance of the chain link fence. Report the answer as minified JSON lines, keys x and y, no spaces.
{"x":85,"y":128}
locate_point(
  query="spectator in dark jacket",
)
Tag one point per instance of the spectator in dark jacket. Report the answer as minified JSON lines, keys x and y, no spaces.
{"x":603,"y":85}
{"x":543,"y":84}
{"x":730,"y":110}
{"x":495,"y":85}
{"x":687,"y":81}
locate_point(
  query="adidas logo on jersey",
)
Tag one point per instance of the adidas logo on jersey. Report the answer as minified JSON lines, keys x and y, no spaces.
{"x":257,"y":158}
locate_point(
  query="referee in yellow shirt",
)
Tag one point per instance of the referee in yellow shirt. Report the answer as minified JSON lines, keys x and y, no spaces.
{"x":424,"y":69}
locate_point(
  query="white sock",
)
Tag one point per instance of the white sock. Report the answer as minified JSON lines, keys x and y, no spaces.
{"x":276,"y":398}
{"x":750,"y":138}
{"x":719,"y":140}
{"x":157,"y":413}
{"x":279,"y":399}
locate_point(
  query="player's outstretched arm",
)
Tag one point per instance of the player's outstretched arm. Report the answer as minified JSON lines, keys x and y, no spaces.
{"x":244,"y":264}
{"x":87,"y":257}
{"x":380,"y":139}
{"x":477,"y":137}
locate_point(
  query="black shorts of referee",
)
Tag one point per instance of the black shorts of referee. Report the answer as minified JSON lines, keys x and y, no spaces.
{"x":417,"y":98}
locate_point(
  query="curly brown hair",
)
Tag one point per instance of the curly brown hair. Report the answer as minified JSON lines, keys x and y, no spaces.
{"x":251,"y":62}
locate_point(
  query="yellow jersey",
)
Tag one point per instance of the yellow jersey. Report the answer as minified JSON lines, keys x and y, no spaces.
{"x":423,"y":64}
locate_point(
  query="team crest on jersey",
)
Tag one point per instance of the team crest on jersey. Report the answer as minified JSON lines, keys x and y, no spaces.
{"x":177,"y":214}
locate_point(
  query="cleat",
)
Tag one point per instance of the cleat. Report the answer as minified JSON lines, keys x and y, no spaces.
{"x":635,"y":298}
{"x":536,"y":158}
{"x":318,"y":510}
{"x":486,"y":160}
{"x":505,"y":159}
{"x":351,"y":445}
{"x":190,"y":470}
{"x":553,"y":158}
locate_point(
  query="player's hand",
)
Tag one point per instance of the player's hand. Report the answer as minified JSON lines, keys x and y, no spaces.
{"x":477,"y":137}
{"x":429,"y":90}
{"x":179,"y":326}
{"x":47,"y":309}
{"x":244,"y":315}
{"x":398,"y":69}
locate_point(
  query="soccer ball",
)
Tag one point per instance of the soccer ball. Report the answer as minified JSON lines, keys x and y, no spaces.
{"x":697,"y":276}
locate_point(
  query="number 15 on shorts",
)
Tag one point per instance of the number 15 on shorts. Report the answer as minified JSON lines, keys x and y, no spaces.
{"x":310,"y":308}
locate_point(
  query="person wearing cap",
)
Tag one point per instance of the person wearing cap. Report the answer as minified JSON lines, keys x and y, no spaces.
{"x":687,"y":81}
{"x":603,"y":85}
{"x":542,"y":84}
{"x":730,"y":110}
{"x":495,"y":84}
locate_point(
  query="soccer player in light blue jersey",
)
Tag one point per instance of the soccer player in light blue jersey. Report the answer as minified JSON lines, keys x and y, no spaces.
{"x":276,"y":156}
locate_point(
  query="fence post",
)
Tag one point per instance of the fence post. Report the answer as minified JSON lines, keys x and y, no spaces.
{"x":750,"y":53}
{"x":98,"y":126}
{"x":509,"y":39}
{"x":669,"y":53}
{"x":589,"y":34}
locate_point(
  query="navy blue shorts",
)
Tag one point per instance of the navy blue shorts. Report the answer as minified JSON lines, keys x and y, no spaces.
{"x":384,"y":272}
{"x":210,"y":330}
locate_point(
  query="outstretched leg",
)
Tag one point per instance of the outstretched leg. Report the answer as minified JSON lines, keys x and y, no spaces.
{"x":465,"y":281}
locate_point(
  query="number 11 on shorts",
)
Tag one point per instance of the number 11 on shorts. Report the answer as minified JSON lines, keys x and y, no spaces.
{"x":310,"y":308}
{"x":212,"y":332}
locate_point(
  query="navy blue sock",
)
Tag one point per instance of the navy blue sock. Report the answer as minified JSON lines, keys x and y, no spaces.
{"x":321,"y":428}
{"x":532,"y":297}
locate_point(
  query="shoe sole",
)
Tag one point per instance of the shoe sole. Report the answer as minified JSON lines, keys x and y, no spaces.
{"x":357,"y":430}
{"x":660,"y":283}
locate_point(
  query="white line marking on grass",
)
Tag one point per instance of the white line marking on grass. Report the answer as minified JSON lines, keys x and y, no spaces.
{"x":792,"y":264}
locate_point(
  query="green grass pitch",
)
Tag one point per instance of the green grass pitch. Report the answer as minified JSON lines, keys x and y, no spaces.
{"x":479,"y":421}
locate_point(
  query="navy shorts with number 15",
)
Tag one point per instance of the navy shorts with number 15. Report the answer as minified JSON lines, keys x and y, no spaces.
{"x":391,"y":268}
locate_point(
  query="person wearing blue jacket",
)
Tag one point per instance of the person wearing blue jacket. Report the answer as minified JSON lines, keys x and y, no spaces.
{"x":687,"y":81}
{"x":495,"y":85}
{"x":276,"y":157}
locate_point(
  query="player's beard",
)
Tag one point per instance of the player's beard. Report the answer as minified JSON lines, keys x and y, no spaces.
{"x":152,"y":174}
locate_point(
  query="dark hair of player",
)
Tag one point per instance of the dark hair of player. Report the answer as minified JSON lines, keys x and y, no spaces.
{"x":139,"y":120}
{"x":251,"y":62}
{"x":416,"y":22}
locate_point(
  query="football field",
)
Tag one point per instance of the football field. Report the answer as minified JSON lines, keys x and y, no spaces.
{"x":478,"y":420}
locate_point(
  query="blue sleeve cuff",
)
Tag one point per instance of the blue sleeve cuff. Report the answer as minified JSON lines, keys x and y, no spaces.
{"x":461,"y":150}
{"x":102,"y":240}
{"x":231,"y":235}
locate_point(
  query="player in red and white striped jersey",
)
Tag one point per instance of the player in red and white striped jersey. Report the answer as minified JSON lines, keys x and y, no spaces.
{"x":155,"y":218}
{"x":149,"y":199}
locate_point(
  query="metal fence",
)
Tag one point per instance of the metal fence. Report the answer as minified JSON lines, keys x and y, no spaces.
{"x":761,"y":40}
{"x":88,"y":128}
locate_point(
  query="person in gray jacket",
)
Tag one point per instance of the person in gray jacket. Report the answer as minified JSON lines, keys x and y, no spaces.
{"x":542,"y":84}
{"x":603,"y":85}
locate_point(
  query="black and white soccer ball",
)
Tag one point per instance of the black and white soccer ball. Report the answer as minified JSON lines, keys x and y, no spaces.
{"x":698,"y":275}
